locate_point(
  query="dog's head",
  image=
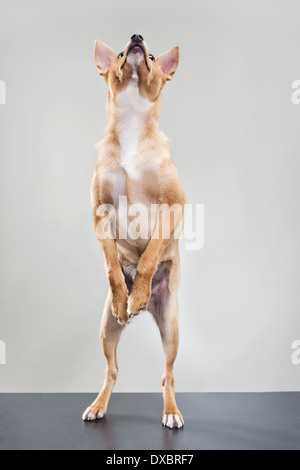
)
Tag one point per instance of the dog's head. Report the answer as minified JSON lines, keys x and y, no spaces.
{"x":135,"y":62}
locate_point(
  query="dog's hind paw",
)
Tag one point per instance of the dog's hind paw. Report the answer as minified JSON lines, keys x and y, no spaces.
{"x":92,"y":413}
{"x":173,"y":420}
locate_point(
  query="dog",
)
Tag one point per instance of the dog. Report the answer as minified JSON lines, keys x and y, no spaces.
{"x":134,"y":162}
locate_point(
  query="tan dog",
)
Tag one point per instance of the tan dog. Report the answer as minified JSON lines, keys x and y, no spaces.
{"x":135,"y":161}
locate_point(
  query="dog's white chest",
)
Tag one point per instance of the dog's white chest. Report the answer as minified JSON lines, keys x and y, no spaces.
{"x":130,"y":125}
{"x":131,"y":108}
{"x":129,"y":147}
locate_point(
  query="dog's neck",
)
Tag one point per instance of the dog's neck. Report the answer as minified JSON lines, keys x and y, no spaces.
{"x":132,"y":117}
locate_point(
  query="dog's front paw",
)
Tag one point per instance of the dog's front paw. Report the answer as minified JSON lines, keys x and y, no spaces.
{"x":137,"y":302}
{"x":140,"y":295}
{"x":119,"y":311}
{"x":119,"y":306}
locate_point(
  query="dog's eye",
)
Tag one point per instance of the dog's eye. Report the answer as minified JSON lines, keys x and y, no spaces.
{"x":120,"y":55}
{"x":151,"y":57}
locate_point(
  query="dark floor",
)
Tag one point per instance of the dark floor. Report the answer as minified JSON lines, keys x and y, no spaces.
{"x":133,"y":421}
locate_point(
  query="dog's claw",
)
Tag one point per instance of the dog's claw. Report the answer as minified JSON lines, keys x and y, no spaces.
{"x":135,"y":314}
{"x":131,"y":315}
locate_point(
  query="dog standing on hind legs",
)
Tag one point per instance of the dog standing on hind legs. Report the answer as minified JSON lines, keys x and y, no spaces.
{"x":134,"y":162}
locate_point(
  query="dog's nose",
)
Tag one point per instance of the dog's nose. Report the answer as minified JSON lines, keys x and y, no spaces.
{"x":137,"y":38}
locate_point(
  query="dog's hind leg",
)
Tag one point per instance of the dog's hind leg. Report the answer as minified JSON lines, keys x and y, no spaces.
{"x":163,"y":306}
{"x":110,"y":334}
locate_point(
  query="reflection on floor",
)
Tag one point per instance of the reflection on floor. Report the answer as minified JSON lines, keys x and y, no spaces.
{"x":133,"y":421}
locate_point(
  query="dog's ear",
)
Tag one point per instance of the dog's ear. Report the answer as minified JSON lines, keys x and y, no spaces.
{"x":104,"y":57}
{"x":168,"y":62}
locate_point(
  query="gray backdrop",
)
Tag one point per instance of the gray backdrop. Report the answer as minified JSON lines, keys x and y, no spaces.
{"x":235,"y":140}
